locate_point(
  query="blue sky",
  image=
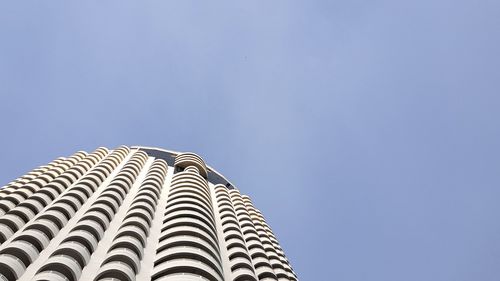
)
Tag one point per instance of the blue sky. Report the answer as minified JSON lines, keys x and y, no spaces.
{"x":367,"y":132}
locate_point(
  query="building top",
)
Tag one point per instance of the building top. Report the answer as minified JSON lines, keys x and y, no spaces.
{"x":169,"y":156}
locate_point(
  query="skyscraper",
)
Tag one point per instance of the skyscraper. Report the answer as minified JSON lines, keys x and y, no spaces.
{"x":134,"y":213}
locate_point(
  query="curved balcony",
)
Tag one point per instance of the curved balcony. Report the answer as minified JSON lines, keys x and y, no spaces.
{"x":65,"y":265}
{"x":75,"y":250}
{"x":11,"y":267}
{"x":83,"y":237}
{"x":46,"y":226}
{"x":49,"y":276}
{"x":185,"y":265}
{"x":128,"y":242}
{"x":124,"y":255}
{"x":22,"y":250}
{"x":116,"y":271}
{"x":187,"y":159}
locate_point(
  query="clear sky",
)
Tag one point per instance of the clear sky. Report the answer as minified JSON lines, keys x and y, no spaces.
{"x":367,"y":132}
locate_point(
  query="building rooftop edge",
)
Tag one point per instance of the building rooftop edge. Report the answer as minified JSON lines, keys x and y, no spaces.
{"x":169,"y":156}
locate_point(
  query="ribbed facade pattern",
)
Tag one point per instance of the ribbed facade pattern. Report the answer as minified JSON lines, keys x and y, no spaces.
{"x":133,"y":214}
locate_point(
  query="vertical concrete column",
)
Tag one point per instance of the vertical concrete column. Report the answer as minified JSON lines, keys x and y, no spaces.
{"x":188,"y":248}
{"x":147,"y":263}
{"x":236,"y":252}
{"x":254,"y":244}
{"x":123,"y":259}
{"x":71,"y":256}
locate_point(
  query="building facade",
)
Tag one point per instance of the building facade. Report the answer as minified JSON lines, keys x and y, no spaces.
{"x":133,"y":213}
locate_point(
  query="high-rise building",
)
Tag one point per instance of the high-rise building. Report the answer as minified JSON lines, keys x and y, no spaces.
{"x":134,"y":213}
